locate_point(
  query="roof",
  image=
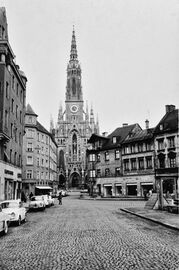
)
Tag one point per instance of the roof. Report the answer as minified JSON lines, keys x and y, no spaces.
{"x":168,"y":123}
{"x":141,"y":135}
{"x":30,"y":111}
{"x":120,"y":133}
{"x":95,"y":137}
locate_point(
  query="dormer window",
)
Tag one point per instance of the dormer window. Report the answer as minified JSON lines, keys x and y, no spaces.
{"x":114,"y":140}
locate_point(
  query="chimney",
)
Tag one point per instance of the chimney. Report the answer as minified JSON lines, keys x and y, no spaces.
{"x":147,"y":124}
{"x":169,"y":108}
{"x":125,"y":124}
{"x":105,"y":134}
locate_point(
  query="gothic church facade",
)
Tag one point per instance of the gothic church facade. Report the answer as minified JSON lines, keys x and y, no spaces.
{"x":74,"y":127}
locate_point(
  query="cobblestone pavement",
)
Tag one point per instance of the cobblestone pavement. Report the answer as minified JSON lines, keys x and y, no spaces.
{"x":89,"y":235}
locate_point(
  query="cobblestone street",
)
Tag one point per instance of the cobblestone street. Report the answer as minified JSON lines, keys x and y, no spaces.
{"x":84,"y":234}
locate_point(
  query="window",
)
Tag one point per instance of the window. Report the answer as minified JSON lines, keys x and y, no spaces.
{"x":114,"y":140}
{"x":162,"y":161}
{"x":20,"y":160}
{"x":7,"y":90}
{"x":117,"y":171}
{"x":107,"y":172}
{"x":141,"y":163}
{"x":107,"y":156}
{"x":133,"y":148}
{"x":38,"y":161}
{"x":29,"y":174}
{"x":15,"y":134}
{"x":38,"y":175}
{"x":140,"y":147}
{"x":12,"y":105}
{"x":148,"y":146}
{"x":17,"y":89}
{"x":42,"y":162}
{"x":16,"y":111}
{"x":42,"y":175}
{"x":98,"y":173}
{"x":11,"y":130}
{"x":117,"y":154}
{"x":149,"y":162}
{"x":98,"y":157}
{"x":30,"y":120}
{"x":47,"y":140}
{"x":92,"y":173}
{"x":171,"y":142}
{"x":13,"y":80}
{"x":133,"y":164}
{"x":29,"y":147}
{"x":6,"y":118}
{"x":92,"y":157}
{"x":30,"y":133}
{"x":15,"y":158}
{"x":126,"y":149}
{"x":42,"y":138}
{"x":20,"y":117}
{"x":10,"y":155}
{"x":20,"y":142}
{"x":160,"y":144}
{"x":29,"y":160}
{"x":126,"y":165}
{"x":172,"y":162}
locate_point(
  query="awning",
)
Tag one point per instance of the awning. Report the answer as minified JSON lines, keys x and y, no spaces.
{"x":43,"y":187}
{"x":118,"y":185}
{"x":131,"y":184}
{"x":146,"y":184}
{"x":107,"y":185}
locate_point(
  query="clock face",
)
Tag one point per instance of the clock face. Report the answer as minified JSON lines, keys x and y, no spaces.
{"x":74,"y":108}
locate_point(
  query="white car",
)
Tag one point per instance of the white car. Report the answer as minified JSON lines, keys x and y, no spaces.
{"x":51,"y":200}
{"x":37,"y":202}
{"x":4,"y":221}
{"x":15,"y":210}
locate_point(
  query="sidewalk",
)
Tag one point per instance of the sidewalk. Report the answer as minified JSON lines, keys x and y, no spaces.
{"x":164,"y":218}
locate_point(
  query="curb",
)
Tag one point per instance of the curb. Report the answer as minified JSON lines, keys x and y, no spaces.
{"x":151,"y":219}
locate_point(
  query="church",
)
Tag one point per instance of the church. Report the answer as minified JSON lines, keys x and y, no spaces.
{"x":74,"y":127}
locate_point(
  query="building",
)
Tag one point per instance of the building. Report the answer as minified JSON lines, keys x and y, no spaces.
{"x":105,"y":164}
{"x":74,"y":127}
{"x":39,"y":155}
{"x":12,"y":110}
{"x":166,"y":140}
{"x":138,"y":162}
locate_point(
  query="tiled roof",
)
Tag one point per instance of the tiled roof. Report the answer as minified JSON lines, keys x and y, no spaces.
{"x":120,"y":134}
{"x":168,"y":123}
{"x":140,"y":135}
{"x":95,"y":137}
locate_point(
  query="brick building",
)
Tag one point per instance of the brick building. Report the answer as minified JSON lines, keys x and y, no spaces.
{"x":12,"y":109}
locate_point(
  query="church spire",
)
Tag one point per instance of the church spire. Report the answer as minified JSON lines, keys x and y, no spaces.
{"x":73,"y":53}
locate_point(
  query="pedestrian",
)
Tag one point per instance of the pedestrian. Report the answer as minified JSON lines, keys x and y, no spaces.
{"x":60,"y":197}
{"x":145,"y":194}
{"x":31,"y":195}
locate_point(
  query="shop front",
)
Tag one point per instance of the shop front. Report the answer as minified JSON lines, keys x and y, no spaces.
{"x":131,"y":189}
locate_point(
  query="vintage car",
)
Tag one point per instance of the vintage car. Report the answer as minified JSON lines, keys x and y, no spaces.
{"x":15,"y":210}
{"x":51,"y":200}
{"x":37,"y":203}
{"x":4,"y":222}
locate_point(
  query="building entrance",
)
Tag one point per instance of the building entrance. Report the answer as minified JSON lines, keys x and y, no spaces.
{"x":75,"y":180}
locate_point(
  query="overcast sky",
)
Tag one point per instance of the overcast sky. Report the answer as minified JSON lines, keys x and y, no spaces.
{"x":128,"y":50}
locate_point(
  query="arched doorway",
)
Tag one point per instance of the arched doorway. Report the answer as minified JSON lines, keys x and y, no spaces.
{"x":62,"y":181}
{"x":75,"y":180}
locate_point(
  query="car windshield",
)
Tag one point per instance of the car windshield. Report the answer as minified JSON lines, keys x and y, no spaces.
{"x":10,"y":205}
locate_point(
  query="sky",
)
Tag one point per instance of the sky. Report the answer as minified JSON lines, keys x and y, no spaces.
{"x":128,"y":50}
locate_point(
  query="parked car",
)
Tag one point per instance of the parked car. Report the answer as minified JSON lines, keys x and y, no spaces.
{"x":51,"y":200}
{"x":37,"y":202}
{"x":15,"y":210}
{"x":4,"y":222}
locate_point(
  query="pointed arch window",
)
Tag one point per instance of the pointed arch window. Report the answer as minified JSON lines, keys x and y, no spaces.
{"x":74,"y":144}
{"x":74,"y":87}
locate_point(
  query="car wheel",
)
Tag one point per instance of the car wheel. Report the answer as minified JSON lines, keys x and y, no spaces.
{"x":5,"y":227}
{"x":19,"y":221}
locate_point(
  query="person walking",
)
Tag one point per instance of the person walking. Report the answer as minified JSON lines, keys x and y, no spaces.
{"x":60,"y":197}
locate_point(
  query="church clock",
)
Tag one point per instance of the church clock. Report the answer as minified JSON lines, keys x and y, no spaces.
{"x":74,"y":108}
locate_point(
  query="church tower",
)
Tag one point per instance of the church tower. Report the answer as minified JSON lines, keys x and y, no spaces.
{"x":74,"y":127}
